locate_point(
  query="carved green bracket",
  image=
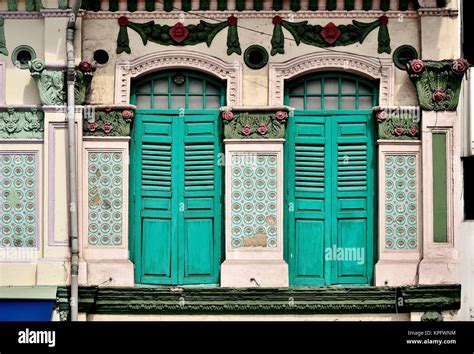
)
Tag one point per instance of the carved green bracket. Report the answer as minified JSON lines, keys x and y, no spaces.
{"x":438,"y":83}
{"x":3,"y":42}
{"x":329,"y":35}
{"x":107,"y":121}
{"x":62,"y":4}
{"x":51,"y":83}
{"x":84,"y":75}
{"x":179,"y":34}
{"x":398,"y":123}
{"x":254,"y":125}
{"x":18,"y":123}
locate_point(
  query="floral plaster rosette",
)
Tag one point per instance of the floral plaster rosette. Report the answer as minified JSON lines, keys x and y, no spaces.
{"x":254,"y":125}
{"x":437,"y":83}
{"x":397,"y":124}
{"x":108,"y":121}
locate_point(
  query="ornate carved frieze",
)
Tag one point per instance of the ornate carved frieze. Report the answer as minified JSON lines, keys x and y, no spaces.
{"x":51,"y":83}
{"x":398,"y":123}
{"x":179,"y":34}
{"x":107,"y":120}
{"x":438,"y":83}
{"x":21,"y":123}
{"x":254,"y":125}
{"x":329,"y":35}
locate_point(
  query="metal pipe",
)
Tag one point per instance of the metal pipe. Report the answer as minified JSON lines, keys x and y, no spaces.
{"x":70,"y":112}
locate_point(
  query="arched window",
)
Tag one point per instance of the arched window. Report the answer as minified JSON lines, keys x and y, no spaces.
{"x":178,"y":89}
{"x":331,"y":91}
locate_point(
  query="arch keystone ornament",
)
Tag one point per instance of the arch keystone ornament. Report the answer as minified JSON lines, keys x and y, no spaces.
{"x":178,"y":59}
{"x":372,"y":68}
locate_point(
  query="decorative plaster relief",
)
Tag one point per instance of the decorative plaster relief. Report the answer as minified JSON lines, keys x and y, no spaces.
{"x":16,"y":124}
{"x":19,"y":199}
{"x":105,"y":198}
{"x":107,"y":121}
{"x":126,"y":71}
{"x":253,"y":125}
{"x":330,"y":35}
{"x":375,"y":69}
{"x":179,"y":34}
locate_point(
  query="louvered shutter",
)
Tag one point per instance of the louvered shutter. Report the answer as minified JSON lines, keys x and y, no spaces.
{"x":308,"y":225}
{"x":158,"y":194}
{"x":201,"y":222}
{"x":353,"y":197}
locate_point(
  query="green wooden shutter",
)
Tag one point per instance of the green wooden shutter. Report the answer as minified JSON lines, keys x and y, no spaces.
{"x":201,"y":217}
{"x":308,"y":193}
{"x":353,"y":197}
{"x":158,"y":199}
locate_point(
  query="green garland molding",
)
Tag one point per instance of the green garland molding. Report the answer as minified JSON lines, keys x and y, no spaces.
{"x":438,"y":83}
{"x":107,"y":121}
{"x":254,"y":125}
{"x":51,"y":83}
{"x":397,"y":123}
{"x":329,"y":35}
{"x":21,"y":123}
{"x":330,"y":300}
{"x":3,"y":42}
{"x":179,"y":35}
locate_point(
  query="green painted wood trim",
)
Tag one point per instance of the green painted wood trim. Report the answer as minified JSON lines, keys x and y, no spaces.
{"x":258,"y":5}
{"x":330,"y":300}
{"x":385,"y":5}
{"x":150,"y":5}
{"x":28,"y":292}
{"x":440,"y":189}
{"x":221,"y":5}
{"x":277,"y":5}
{"x":367,"y":5}
{"x":113,"y":5}
{"x":331,"y":5}
{"x":313,"y":5}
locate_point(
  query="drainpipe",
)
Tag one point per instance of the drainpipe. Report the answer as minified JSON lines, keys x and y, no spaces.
{"x":70,"y":111}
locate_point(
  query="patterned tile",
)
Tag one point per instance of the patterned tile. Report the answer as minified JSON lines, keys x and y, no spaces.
{"x":18,"y":200}
{"x":401,"y":222}
{"x":254,"y":200}
{"x":105,"y":188}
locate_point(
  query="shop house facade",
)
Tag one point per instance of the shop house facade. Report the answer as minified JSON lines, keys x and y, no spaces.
{"x":271,"y":149}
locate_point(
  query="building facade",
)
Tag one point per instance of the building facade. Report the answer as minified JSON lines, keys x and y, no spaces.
{"x":253,"y":153}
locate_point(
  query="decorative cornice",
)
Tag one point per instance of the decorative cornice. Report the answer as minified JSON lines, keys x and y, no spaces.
{"x":29,"y":15}
{"x":251,"y":14}
{"x":21,"y":123}
{"x":438,"y":12}
{"x":378,"y":69}
{"x":125,"y":71}
{"x":148,"y":300}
